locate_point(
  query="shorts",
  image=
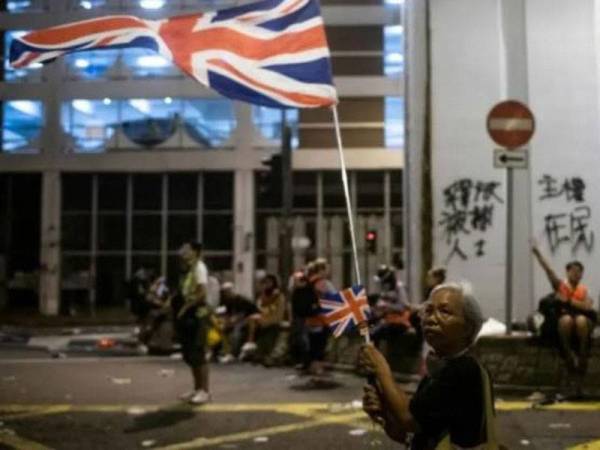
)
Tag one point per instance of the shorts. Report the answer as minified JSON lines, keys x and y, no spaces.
{"x":192,"y":332}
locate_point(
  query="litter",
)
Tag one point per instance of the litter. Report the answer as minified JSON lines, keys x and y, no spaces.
{"x":291,"y":377}
{"x":536,"y":396}
{"x":9,"y":379}
{"x":261,"y":439}
{"x":525,"y":442}
{"x":136,"y":411}
{"x":557,"y":426}
{"x":357,"y":432}
{"x":148,"y":443}
{"x":120,"y":380}
{"x":357,"y":404}
{"x":166,"y":373}
{"x":176,"y":356}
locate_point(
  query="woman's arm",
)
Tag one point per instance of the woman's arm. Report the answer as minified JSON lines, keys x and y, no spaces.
{"x":552,"y":277}
{"x":395,"y":402}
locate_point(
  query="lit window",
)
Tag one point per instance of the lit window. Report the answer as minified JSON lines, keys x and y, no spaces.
{"x":394,"y":50}
{"x":152,"y":4}
{"x":394,"y":122}
{"x":144,"y":63}
{"x":268,"y":122}
{"x":16,"y":6}
{"x":209,"y":122}
{"x":90,"y":123}
{"x":91,"y":65}
{"x":31,"y":73}
{"x":91,"y":4}
{"x":394,"y":2}
{"x":22,"y":123}
{"x":150,"y":122}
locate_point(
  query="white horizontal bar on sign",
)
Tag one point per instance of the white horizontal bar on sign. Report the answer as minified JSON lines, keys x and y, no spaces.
{"x":330,"y":125}
{"x":511,"y":124}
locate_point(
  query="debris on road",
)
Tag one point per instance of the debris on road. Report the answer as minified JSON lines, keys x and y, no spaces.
{"x":525,"y":442}
{"x":136,"y":411}
{"x":261,"y":439}
{"x":357,"y":432}
{"x":120,"y":380}
{"x":560,"y":426}
{"x":166,"y":373}
{"x":148,"y":443}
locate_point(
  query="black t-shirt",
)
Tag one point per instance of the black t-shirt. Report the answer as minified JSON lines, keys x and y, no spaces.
{"x":241,"y":306}
{"x":450,"y":400}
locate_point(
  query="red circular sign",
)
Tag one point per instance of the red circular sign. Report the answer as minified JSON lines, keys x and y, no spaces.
{"x":510,"y":124}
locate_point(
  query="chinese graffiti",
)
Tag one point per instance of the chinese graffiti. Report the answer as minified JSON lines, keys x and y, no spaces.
{"x":468,"y":213}
{"x":571,"y":227}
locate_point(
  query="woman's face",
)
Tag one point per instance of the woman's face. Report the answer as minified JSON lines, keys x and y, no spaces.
{"x":444,"y":324}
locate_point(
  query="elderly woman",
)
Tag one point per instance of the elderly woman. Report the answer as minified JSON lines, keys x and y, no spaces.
{"x":452,"y":407}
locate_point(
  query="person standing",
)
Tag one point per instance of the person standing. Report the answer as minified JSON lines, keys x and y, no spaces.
{"x":193,"y":320}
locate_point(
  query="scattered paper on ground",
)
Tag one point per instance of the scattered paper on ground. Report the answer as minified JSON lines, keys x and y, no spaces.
{"x":357,"y":432}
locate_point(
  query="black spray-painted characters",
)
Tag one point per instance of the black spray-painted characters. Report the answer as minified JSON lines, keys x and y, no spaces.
{"x":573,"y":228}
{"x":573,"y":188}
{"x":468,"y":212}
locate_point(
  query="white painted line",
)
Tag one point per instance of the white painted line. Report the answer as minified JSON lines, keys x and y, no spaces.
{"x":510,"y":124}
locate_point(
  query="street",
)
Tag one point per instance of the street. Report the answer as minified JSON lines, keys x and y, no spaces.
{"x":87,"y":403}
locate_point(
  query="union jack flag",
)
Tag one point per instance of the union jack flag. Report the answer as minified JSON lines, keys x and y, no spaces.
{"x":345,"y":309}
{"x":272,"y":52}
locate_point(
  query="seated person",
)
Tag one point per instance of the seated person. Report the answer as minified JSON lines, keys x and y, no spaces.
{"x":263,"y":327}
{"x":391,"y":310}
{"x":453,"y":405}
{"x":157,"y":304}
{"x":576,"y":316}
{"x":237,"y":310}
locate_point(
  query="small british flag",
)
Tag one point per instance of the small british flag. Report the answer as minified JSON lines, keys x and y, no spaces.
{"x":344,"y":310}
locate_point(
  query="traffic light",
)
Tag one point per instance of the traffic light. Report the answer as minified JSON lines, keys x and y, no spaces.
{"x":271,"y":179}
{"x":371,"y":241}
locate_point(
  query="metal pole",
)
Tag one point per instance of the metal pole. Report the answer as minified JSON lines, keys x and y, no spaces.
{"x":509,"y":249}
{"x":286,"y":193}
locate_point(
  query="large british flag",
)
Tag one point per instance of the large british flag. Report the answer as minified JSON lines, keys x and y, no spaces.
{"x":345,"y":309}
{"x":272,"y":52}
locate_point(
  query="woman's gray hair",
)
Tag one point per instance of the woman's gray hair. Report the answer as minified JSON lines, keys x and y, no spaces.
{"x":471,"y":310}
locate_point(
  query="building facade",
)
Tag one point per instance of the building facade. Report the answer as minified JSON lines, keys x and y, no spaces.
{"x":112,"y":159}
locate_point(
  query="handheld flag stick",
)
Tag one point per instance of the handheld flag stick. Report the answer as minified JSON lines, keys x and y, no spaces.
{"x":364,"y":329}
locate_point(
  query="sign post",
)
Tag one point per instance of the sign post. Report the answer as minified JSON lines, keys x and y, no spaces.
{"x":511,"y":125}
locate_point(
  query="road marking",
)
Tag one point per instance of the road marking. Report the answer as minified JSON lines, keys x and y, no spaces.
{"x":593,"y":445}
{"x":327,"y":419}
{"x":18,"y":443}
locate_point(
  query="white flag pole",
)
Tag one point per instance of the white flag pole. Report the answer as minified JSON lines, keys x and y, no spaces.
{"x":364,"y":330}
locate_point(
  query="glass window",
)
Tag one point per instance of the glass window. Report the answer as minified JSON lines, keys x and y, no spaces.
{"x":218,"y":232}
{"x":181,"y":229}
{"x":268,"y":122}
{"x":88,"y":4}
{"x":147,"y":192}
{"x":76,"y":232}
{"x":209,"y":122}
{"x":370,"y":193}
{"x":397,"y":189}
{"x":22,"y":123}
{"x":183,"y":192}
{"x":110,"y":277}
{"x":393,"y":38}
{"x":77,"y":192}
{"x":333,"y":190}
{"x":112,"y":192}
{"x":394,"y":122}
{"x":218,"y":191}
{"x":150,"y":122}
{"x":91,"y":65}
{"x":17,"y":6}
{"x":305,"y":189}
{"x":30,"y":74}
{"x":146,"y":63}
{"x":111,"y":232}
{"x":146,"y":232}
{"x":90,"y":123}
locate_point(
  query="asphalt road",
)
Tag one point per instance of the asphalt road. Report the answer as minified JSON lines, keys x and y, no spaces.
{"x":131,"y":403}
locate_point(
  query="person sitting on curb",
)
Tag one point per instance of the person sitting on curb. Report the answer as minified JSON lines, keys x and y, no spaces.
{"x":453,"y":405}
{"x":576,"y":316}
{"x":263,"y":326}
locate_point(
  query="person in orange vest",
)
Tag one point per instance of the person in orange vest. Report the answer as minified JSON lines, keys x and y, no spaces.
{"x":576,"y":316}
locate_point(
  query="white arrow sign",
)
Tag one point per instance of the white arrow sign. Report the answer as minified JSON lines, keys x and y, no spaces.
{"x":511,"y":159}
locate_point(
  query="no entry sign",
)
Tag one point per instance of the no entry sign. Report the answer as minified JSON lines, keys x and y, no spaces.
{"x":510,"y":124}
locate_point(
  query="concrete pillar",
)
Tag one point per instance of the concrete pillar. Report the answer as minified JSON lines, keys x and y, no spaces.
{"x":244,"y":248}
{"x":243,"y":203}
{"x":50,"y":244}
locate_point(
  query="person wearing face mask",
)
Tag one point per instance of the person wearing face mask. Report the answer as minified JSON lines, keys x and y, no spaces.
{"x":453,"y":405}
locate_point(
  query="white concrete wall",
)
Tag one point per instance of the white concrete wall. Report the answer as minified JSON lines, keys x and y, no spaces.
{"x":469,"y":66}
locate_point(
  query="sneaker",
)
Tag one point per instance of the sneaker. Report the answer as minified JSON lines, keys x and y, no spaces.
{"x":200,"y":397}
{"x":226,"y":359}
{"x":249,"y":347}
{"x":187,"y":396}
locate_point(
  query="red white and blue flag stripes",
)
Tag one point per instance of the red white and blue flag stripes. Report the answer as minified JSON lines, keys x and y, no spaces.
{"x":344,"y":310}
{"x":272,"y":52}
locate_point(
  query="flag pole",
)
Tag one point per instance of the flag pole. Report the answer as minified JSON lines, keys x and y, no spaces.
{"x":364,"y":329}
